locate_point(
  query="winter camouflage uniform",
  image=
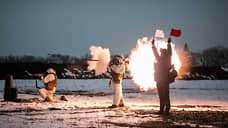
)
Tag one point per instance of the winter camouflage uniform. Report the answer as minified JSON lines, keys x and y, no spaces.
{"x":50,"y":81}
{"x":117,"y":70}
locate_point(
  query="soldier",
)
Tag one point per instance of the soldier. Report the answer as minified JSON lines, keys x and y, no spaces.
{"x":164,"y":75}
{"x":117,"y":70}
{"x":50,"y":81}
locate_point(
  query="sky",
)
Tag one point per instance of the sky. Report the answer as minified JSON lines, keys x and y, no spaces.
{"x":70,"y":27}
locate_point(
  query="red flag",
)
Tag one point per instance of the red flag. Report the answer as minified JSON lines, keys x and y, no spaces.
{"x":175,"y":32}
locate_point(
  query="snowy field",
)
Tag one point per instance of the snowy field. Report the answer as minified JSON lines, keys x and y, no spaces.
{"x":89,"y":99}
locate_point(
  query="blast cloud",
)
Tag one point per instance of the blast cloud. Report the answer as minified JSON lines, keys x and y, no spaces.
{"x":141,"y":62}
{"x":103,"y":57}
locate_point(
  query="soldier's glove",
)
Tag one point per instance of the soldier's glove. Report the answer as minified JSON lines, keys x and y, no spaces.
{"x":152,"y":42}
{"x":169,"y":40}
{"x":41,"y":78}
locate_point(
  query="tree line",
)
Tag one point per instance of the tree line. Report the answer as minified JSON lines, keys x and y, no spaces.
{"x":51,"y":58}
{"x":211,"y":57}
{"x":215,"y":56}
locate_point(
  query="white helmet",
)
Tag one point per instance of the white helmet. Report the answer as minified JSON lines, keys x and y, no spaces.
{"x":51,"y":70}
{"x":118,"y":59}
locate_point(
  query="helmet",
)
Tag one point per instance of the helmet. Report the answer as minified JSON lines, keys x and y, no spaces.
{"x":118,"y":59}
{"x":51,"y":70}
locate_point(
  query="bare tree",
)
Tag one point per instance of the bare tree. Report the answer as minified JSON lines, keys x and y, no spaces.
{"x":215,"y":56}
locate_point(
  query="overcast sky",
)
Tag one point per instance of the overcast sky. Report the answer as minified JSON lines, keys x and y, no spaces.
{"x":39,"y":27}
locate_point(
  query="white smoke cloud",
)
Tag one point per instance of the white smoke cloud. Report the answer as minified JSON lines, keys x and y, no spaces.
{"x":103,"y":57}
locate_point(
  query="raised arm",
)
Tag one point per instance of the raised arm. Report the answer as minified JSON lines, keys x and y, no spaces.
{"x":169,"y":51}
{"x":38,"y":75}
{"x":155,"y":51}
{"x":169,"y":48}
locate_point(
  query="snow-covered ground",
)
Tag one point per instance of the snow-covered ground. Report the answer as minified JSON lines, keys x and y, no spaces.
{"x":88,"y":101}
{"x":209,"y":92}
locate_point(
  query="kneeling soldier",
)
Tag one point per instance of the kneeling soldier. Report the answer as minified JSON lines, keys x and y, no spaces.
{"x":50,"y":81}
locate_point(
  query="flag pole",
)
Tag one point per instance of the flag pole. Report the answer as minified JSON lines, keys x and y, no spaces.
{"x":154,"y":38}
{"x":170,"y":35}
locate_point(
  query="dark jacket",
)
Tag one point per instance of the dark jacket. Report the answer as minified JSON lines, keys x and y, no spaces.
{"x":163,"y":65}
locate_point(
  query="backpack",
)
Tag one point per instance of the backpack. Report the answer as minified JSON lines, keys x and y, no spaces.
{"x":172,"y":75}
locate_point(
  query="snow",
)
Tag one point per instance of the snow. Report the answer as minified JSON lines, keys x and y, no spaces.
{"x":224,"y":69}
{"x":86,"y":110}
{"x":183,"y":91}
{"x":76,"y":69}
{"x":199,"y":76}
{"x":68,"y":73}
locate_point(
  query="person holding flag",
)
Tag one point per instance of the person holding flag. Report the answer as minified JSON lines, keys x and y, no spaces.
{"x":164,"y":73}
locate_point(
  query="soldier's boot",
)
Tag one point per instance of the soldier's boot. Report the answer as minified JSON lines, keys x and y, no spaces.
{"x":113,"y":106}
{"x":63,"y":98}
{"x":167,"y":109}
{"x":121,"y":102}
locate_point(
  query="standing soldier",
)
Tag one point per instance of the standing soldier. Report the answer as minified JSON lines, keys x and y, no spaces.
{"x":117,"y":70}
{"x":164,"y":74}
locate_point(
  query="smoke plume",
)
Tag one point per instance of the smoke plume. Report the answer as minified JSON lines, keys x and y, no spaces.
{"x":102,"y":55}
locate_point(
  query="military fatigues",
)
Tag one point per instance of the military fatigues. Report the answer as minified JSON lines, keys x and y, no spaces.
{"x":162,"y":76}
{"x":117,"y":70}
{"x":50,"y":81}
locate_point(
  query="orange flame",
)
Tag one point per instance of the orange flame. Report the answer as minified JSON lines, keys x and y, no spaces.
{"x":141,"y":62}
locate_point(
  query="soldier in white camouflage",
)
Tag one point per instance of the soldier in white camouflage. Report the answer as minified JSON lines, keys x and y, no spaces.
{"x":117,"y":69}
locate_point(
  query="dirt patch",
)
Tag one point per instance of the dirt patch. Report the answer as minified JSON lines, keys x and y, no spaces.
{"x":119,"y":124}
{"x":184,"y":119}
{"x":29,"y":109}
{"x":148,"y":124}
{"x":161,"y":124}
{"x":215,"y":118}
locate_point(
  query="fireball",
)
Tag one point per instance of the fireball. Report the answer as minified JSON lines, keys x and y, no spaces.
{"x":142,"y":59}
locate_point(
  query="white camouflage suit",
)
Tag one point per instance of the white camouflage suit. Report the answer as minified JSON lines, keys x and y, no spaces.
{"x":117,"y":71}
{"x":45,"y":93}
